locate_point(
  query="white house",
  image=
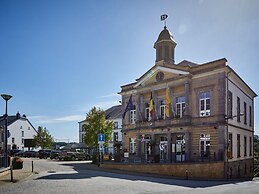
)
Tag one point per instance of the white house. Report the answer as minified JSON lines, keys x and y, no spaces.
{"x":20,"y":129}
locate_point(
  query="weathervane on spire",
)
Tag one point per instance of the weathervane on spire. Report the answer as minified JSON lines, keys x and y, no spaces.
{"x":163,"y":17}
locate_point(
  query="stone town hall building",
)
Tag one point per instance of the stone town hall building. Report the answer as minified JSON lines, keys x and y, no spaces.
{"x":211,"y":114}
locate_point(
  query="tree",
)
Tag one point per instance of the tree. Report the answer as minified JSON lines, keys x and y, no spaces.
{"x":95,"y":124}
{"x":43,"y":139}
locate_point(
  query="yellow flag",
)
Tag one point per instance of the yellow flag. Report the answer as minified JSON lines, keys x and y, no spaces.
{"x":167,"y":103}
{"x":151,"y":107}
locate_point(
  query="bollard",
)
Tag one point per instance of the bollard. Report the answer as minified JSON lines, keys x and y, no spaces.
{"x":186,"y":174}
{"x":32,"y":166}
{"x":11,"y":168}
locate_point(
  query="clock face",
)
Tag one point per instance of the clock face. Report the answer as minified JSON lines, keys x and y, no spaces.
{"x":159,"y":76}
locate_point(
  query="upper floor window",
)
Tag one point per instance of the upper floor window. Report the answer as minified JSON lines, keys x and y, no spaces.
{"x":180,"y":106}
{"x":238,"y":109}
{"x":245,"y":115}
{"x":162,"y":109}
{"x":133,"y":115}
{"x":147,"y":113}
{"x":115,"y":136}
{"x":21,"y":127}
{"x":230,"y":104}
{"x":22,"y":133}
{"x":116,"y":125}
{"x":250,"y":116}
{"x":204,"y":104}
{"x":13,"y":140}
{"x":84,"y":127}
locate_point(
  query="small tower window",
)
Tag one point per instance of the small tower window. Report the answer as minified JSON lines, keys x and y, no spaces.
{"x":167,"y":52}
{"x":159,"y":53}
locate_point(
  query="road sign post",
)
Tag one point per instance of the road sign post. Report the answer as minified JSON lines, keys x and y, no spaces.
{"x":100,"y":143}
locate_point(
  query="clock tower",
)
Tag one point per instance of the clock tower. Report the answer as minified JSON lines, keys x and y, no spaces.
{"x":165,"y":46}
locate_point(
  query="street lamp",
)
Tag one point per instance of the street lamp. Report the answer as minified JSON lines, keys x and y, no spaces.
{"x":6,"y":97}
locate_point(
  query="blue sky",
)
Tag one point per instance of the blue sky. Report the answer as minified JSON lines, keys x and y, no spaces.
{"x":59,"y":58}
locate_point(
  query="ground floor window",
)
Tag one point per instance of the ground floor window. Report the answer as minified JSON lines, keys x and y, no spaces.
{"x":230,"y":145}
{"x":204,"y":145}
{"x":133,"y":145}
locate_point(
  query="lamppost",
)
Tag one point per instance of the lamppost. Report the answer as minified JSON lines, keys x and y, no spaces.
{"x":6,"y":97}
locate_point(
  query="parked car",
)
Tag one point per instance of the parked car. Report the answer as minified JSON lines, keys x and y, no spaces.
{"x":29,"y":154}
{"x":76,"y":154}
{"x":12,"y":152}
{"x":54,"y":154}
{"x":45,"y":153}
{"x":20,"y":153}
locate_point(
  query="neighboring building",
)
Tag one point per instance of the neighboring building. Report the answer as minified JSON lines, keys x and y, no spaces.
{"x":211,"y":113}
{"x":81,"y":131}
{"x":20,"y":130}
{"x":112,"y":114}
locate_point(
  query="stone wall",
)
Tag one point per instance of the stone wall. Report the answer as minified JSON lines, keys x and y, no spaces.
{"x":212,"y":170}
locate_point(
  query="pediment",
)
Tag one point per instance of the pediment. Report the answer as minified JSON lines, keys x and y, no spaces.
{"x":158,"y":74}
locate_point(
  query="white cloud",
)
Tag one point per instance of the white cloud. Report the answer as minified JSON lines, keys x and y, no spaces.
{"x":70,"y":118}
{"x":107,"y":104}
{"x":47,"y":119}
{"x":109,"y":95}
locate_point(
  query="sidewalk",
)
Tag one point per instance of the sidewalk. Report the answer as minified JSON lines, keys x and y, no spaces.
{"x":18,"y":175}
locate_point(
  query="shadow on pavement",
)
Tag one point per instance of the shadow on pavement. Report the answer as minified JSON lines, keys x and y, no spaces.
{"x":88,"y":171}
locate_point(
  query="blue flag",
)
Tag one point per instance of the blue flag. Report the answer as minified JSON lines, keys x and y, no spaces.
{"x":128,"y":107}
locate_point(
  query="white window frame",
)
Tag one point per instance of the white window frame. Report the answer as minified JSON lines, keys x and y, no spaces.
{"x":180,"y":106}
{"x":205,"y":140}
{"x":132,"y":116}
{"x":205,"y":99}
{"x":132,"y":145}
{"x":116,"y":125}
{"x":162,"y":109}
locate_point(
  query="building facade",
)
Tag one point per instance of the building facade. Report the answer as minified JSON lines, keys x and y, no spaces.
{"x":189,"y":112}
{"x":20,"y":129}
{"x":112,"y":114}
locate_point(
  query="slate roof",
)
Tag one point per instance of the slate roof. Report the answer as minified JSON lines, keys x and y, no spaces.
{"x":13,"y":118}
{"x":114,"y":112}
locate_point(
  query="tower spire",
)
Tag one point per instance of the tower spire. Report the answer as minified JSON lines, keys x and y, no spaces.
{"x":165,"y":45}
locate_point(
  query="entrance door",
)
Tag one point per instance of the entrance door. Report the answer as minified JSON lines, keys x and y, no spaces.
{"x":163,"y":149}
{"x":180,"y":148}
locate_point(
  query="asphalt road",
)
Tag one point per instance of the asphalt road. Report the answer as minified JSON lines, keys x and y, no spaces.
{"x":78,"y":177}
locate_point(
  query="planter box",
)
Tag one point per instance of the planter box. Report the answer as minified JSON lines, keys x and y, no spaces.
{"x":17,"y":165}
